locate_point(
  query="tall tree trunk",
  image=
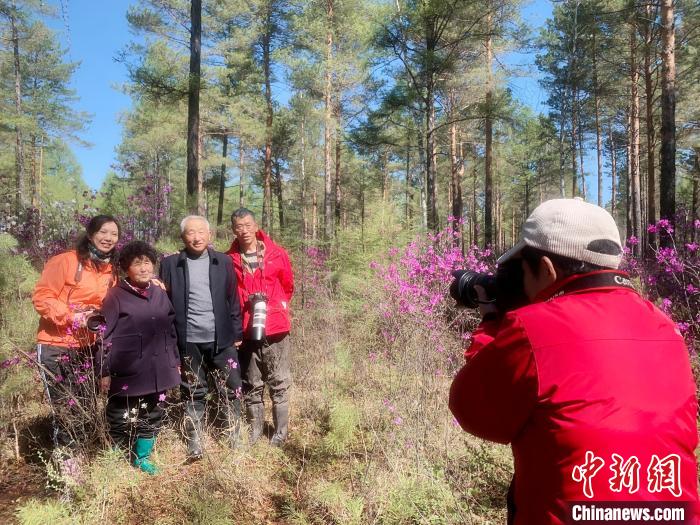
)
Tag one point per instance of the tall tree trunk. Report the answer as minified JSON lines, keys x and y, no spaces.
{"x":431,"y":158}
{"x":613,"y":170}
{"x":328,"y":127}
{"x":598,"y":133}
{"x":456,"y":167}
{"x":488,"y":132}
{"x":695,"y":212}
{"x":40,"y":178}
{"x":202,"y":203}
{"x":314,"y":216}
{"x":649,"y":95}
{"x":475,"y":206}
{"x":574,"y":141}
{"x":278,"y":193}
{"x":668,"y":114}
{"x":241,"y":173}
{"x":193,"y":139}
{"x":628,"y":192}
{"x":222,"y":180}
{"x":304,"y":214}
{"x":580,"y":158}
{"x":407,"y":188}
{"x":562,"y":192}
{"x":20,"y":200}
{"x":267,"y":176}
{"x":634,"y":139}
{"x":384,"y":166}
{"x":35,"y":173}
{"x":338,"y":160}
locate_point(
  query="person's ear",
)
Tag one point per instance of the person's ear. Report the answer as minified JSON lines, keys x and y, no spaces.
{"x":547,"y":272}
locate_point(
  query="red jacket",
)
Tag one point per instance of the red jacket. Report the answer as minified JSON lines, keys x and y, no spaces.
{"x":584,"y":385}
{"x":275,"y":280}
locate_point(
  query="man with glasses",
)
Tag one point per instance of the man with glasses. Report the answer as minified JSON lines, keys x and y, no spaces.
{"x":201,"y":284}
{"x":265,"y":287}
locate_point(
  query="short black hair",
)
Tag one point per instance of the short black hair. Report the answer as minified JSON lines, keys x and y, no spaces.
{"x":240,"y":213}
{"x":134,"y":250}
{"x":566,"y":266}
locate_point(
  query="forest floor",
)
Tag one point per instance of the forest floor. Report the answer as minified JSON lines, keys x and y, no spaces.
{"x":370,"y":442}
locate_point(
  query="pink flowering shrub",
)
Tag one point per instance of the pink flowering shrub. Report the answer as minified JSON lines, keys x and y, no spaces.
{"x":312,"y":273}
{"x":671,"y":277}
{"x":415,"y":282}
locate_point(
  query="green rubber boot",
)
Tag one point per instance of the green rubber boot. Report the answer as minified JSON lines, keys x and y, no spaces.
{"x":142,"y":450}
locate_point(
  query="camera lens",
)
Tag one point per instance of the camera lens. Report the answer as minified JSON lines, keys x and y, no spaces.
{"x":462,"y":288}
{"x":95,"y":321}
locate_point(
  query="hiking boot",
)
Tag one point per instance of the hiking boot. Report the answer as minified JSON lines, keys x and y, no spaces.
{"x":256,"y":418}
{"x":193,"y":432}
{"x":142,"y":452}
{"x":280,"y":417}
{"x":233,"y":423}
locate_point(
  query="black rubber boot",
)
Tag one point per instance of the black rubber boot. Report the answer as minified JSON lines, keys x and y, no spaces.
{"x":280,"y":416}
{"x":233,"y":423}
{"x":193,"y":432}
{"x":256,"y":418}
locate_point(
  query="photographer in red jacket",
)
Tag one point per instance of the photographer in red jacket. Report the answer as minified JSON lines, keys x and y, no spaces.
{"x":590,"y":383}
{"x":265,"y":287}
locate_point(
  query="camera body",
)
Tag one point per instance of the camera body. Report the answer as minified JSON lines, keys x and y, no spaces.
{"x":258,"y":303}
{"x":95,"y":321}
{"x":505,"y":289}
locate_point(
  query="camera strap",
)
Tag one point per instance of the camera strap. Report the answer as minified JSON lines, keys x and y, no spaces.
{"x":592,"y":281}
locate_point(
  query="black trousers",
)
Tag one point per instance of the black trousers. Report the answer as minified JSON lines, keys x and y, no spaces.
{"x":199,"y":362}
{"x":71,"y":390}
{"x":132,"y":417}
{"x":267,"y":363}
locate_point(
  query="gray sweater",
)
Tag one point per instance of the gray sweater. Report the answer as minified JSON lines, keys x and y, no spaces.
{"x":201,"y":327}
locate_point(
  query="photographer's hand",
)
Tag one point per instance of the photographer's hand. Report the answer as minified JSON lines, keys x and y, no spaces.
{"x":485,"y":306}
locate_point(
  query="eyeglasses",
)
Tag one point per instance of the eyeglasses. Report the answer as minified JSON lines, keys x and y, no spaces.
{"x":244,"y":227}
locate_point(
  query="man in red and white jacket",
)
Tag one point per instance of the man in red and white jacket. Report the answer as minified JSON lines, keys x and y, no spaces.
{"x":263,"y":270}
{"x":590,"y":383}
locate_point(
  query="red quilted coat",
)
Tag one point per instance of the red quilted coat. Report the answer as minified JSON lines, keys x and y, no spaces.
{"x":275,"y":280}
{"x":594,"y":392}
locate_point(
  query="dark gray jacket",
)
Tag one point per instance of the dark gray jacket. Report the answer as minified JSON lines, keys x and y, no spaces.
{"x":140,"y":352}
{"x":224,"y":296}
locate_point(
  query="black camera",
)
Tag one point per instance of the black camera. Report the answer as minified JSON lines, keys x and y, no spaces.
{"x":95,"y":321}
{"x":505,"y":288}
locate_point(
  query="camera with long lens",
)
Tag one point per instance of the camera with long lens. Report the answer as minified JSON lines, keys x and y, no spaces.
{"x":504,"y":289}
{"x":258,"y":303}
{"x":95,"y":321}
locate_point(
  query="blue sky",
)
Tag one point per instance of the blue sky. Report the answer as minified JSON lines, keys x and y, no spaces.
{"x":94,"y":36}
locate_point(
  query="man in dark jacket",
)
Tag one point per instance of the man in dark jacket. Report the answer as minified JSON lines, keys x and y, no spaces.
{"x":202,"y":286}
{"x":590,"y":383}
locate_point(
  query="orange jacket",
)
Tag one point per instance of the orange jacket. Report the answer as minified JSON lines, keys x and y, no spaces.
{"x":57,"y":296}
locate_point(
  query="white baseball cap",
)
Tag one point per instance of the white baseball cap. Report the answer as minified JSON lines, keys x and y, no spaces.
{"x":571,"y":228}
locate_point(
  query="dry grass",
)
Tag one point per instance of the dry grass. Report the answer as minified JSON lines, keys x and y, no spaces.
{"x":371,"y":441}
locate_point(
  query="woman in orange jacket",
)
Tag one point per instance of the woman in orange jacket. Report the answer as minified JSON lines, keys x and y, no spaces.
{"x":67,"y":295}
